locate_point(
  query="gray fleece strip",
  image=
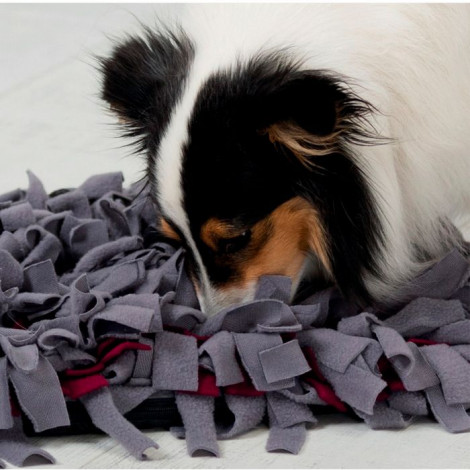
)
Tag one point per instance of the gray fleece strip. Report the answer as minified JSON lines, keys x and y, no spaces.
{"x":222,"y":353}
{"x":248,"y":412}
{"x":6,"y":419}
{"x":282,"y":438}
{"x":91,"y":296}
{"x":38,"y":391}
{"x":16,"y":449}
{"x":199,"y":427}
{"x":105,"y":416}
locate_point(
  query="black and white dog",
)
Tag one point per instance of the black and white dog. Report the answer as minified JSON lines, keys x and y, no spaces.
{"x":303,"y":139}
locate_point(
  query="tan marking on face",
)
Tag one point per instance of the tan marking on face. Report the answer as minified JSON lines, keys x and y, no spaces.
{"x":215,"y":230}
{"x":290,"y":231}
{"x":279,"y":244}
{"x":304,"y":145}
{"x":168,"y":231}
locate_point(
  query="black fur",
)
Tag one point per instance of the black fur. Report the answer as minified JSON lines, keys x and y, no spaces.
{"x":232,"y":171}
{"x":142,"y":81}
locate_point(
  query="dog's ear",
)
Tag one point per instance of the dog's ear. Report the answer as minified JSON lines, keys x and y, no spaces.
{"x":311,"y":114}
{"x":142,"y":78}
{"x":310,"y":119}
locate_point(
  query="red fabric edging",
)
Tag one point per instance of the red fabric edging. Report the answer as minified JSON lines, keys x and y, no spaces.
{"x":76,"y":388}
{"x":110,"y":355}
{"x":318,"y":381}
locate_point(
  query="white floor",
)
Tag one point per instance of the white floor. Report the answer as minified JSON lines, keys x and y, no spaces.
{"x":52,"y":122}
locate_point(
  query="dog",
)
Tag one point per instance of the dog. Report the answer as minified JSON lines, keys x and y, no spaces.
{"x":327,"y":143}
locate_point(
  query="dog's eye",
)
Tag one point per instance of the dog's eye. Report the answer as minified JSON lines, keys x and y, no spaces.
{"x":234,"y":244}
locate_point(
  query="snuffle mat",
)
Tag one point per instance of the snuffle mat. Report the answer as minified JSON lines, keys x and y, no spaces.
{"x":97,"y":310}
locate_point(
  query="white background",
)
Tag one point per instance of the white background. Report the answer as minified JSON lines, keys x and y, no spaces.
{"x":52,"y":122}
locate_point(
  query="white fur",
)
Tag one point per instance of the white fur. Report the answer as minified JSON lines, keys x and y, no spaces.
{"x":412,"y":62}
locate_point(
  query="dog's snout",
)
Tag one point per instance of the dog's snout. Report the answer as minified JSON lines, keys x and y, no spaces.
{"x":213,"y":299}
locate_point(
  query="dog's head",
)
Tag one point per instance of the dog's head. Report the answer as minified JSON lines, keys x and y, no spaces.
{"x":250,"y":165}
